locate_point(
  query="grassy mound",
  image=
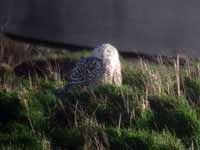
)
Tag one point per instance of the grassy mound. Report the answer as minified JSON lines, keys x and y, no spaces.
{"x":103,"y":117}
{"x":108,"y":105}
{"x":24,"y":116}
{"x":15,"y":132}
{"x":114,"y":139}
{"x":67,"y":124}
{"x":169,"y":113}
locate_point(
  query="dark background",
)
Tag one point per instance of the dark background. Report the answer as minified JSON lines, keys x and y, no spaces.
{"x":146,"y":26}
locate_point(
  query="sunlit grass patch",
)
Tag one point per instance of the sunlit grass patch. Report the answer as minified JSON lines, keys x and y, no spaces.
{"x":173,"y":114}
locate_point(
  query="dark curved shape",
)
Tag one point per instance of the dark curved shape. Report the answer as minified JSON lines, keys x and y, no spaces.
{"x":150,"y":27}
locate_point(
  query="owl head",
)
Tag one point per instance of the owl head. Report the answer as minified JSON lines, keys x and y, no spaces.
{"x":106,"y":51}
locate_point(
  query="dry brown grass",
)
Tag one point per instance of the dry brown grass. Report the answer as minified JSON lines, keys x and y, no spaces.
{"x":13,"y":52}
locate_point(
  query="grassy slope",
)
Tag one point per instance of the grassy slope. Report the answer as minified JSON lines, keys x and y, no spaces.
{"x":104,"y":117}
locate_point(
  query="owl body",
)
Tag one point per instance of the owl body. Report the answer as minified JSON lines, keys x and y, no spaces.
{"x":88,"y":71}
{"x":102,"y":67}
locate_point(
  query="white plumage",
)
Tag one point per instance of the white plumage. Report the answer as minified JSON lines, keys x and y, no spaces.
{"x":103,"y":66}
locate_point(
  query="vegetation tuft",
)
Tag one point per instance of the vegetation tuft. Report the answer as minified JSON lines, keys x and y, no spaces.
{"x":116,"y":139}
{"x":174,"y":115}
{"x":108,"y":105}
{"x":192,"y":90}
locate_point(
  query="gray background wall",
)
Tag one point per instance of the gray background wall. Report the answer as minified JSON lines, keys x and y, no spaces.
{"x":4,"y":12}
{"x":152,"y":27}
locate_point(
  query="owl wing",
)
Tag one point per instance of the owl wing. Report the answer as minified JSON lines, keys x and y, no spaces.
{"x":87,"y":70}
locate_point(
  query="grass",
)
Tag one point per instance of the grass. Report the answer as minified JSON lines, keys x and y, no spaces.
{"x":146,"y":113}
{"x":107,"y":104}
{"x":117,"y":139}
{"x":176,"y":116}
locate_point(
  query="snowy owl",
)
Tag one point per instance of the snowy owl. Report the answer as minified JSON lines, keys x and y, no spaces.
{"x":103,"y":66}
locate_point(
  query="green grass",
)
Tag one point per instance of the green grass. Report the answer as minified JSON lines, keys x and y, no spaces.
{"x":116,"y":139}
{"x":174,"y":115}
{"x":192,"y":90}
{"x":109,"y":105}
{"x":102,"y":117}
